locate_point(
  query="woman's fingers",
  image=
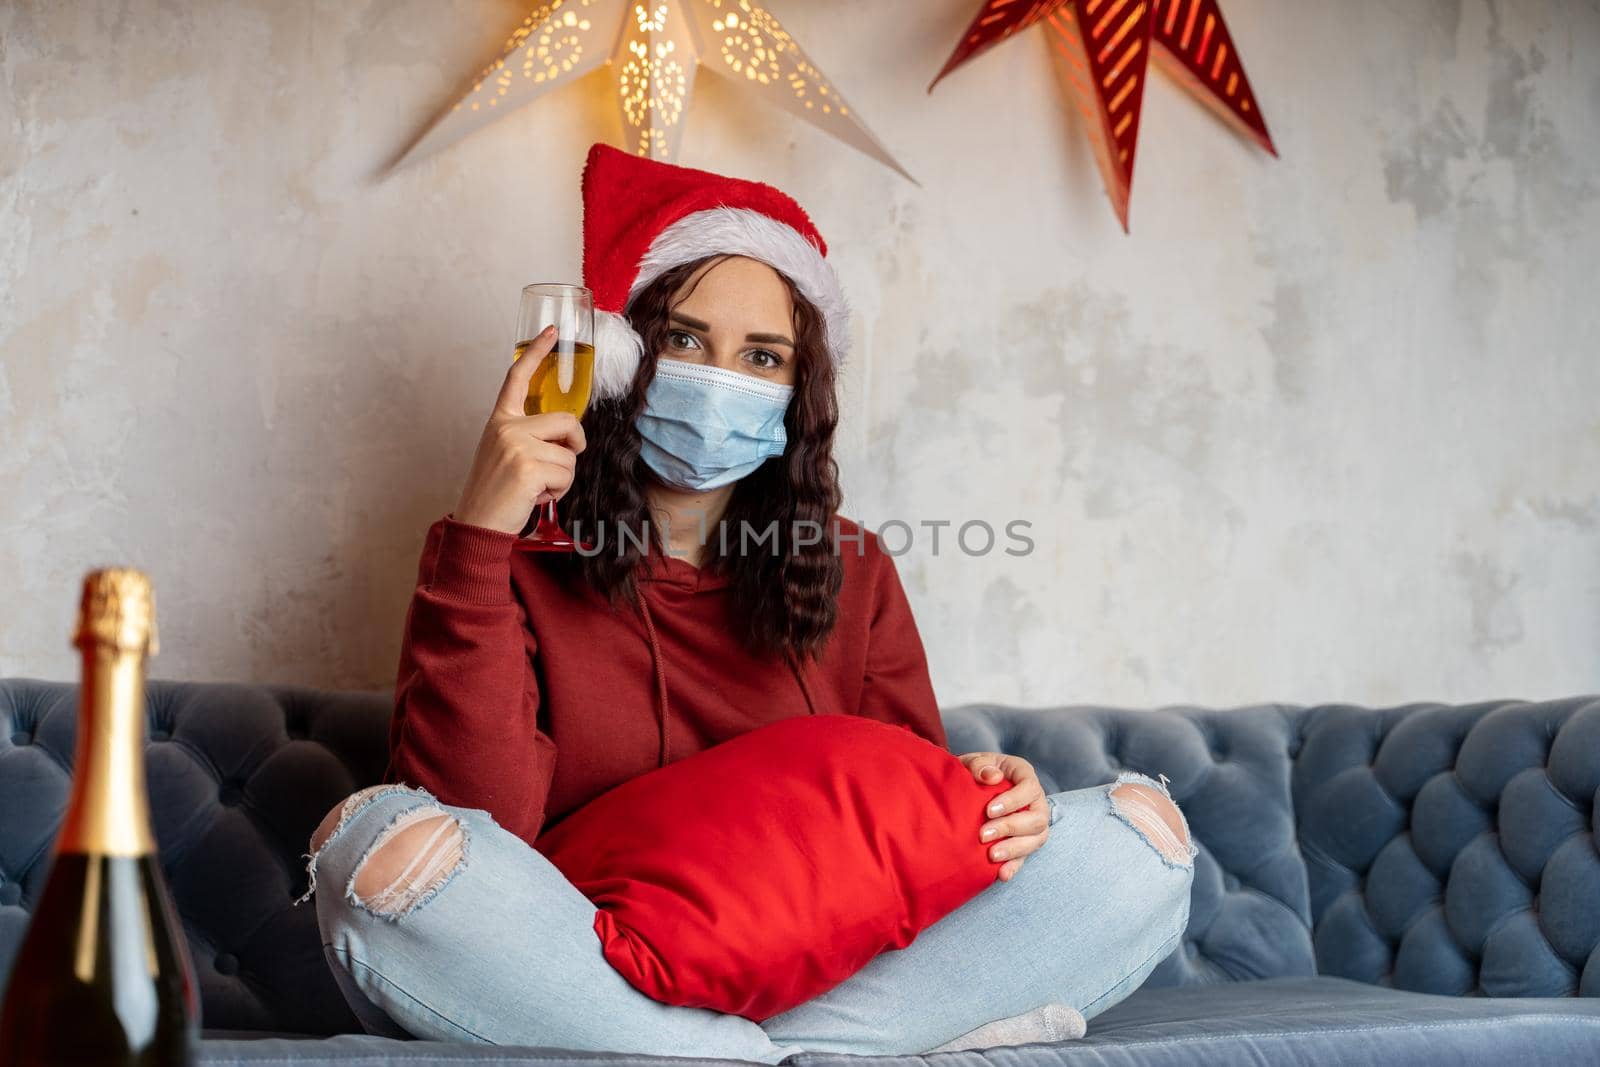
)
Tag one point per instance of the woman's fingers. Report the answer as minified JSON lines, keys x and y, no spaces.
{"x":1019,"y":820}
{"x":508,"y":403}
{"x":561,"y":427}
{"x":557,"y":466}
{"x":1033,"y":819}
{"x":1008,"y":870}
{"x":1023,"y":843}
{"x":985,"y":766}
{"x":1025,"y":787}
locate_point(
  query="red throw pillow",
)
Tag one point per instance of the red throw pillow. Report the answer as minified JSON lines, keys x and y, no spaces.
{"x":760,"y":872}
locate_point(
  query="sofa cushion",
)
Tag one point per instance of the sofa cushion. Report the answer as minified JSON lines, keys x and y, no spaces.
{"x":1281,"y":1022}
{"x":1287,"y":1022}
{"x":371,"y":1050}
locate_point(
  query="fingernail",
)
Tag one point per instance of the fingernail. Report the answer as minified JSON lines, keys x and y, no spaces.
{"x":987,"y":833}
{"x":994,"y":809}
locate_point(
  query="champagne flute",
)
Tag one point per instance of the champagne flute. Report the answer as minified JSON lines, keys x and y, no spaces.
{"x":562,"y":382}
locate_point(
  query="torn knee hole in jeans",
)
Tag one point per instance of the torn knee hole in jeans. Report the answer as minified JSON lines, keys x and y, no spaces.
{"x":409,"y":861}
{"x":352,"y":804}
{"x":347,"y":810}
{"x":1149,"y":809}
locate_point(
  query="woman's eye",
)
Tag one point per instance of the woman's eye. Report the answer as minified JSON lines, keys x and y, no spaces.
{"x":672,"y":336}
{"x":766,"y":360}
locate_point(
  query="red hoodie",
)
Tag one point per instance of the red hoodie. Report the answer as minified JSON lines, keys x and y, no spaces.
{"x":526,"y":698}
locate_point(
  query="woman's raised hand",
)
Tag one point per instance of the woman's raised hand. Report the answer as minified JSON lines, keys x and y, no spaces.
{"x":521,"y":460}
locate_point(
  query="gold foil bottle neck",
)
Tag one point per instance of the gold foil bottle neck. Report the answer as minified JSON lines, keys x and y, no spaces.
{"x":118,"y":609}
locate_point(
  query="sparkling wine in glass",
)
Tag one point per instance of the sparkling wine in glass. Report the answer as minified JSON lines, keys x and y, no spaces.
{"x":560,"y":383}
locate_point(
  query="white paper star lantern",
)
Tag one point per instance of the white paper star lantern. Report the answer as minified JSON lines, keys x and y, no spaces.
{"x":653,"y":49}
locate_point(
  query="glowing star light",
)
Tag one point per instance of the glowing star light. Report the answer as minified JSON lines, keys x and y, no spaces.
{"x":1101,"y":50}
{"x":653,"y":50}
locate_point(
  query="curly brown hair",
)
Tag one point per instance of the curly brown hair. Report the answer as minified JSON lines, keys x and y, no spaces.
{"x":783,"y":595}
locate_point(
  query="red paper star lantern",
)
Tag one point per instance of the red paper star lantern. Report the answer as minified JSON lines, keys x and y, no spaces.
{"x":1102,"y":49}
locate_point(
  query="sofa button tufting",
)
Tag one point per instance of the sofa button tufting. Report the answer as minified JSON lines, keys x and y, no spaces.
{"x":159,"y":735}
{"x":230,"y":795}
{"x":22,"y":737}
{"x":10,"y":893}
{"x":227,"y":963}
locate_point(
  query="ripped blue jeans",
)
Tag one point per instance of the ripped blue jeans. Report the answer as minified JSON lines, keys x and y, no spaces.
{"x":483,"y":940}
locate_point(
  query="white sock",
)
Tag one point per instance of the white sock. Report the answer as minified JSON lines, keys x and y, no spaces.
{"x":1047,"y":1022}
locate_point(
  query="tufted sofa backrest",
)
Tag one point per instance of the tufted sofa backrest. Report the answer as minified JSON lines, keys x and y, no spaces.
{"x":239,"y":775}
{"x":1452,"y":849}
{"x":1449,"y":849}
{"x":1437,"y":848}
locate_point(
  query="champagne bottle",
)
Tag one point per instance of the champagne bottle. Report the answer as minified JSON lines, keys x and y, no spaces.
{"x":103,"y":975}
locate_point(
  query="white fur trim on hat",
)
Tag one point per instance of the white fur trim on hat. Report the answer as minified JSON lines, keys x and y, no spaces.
{"x":747,"y":232}
{"x":617,"y":348}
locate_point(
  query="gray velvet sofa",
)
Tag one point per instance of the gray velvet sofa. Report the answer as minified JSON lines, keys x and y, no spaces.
{"x":1395,"y":886}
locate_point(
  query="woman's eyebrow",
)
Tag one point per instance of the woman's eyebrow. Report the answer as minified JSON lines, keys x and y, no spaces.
{"x":703,"y":327}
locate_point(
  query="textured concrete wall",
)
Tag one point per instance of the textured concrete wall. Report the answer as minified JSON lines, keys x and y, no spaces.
{"x":1321,"y":428}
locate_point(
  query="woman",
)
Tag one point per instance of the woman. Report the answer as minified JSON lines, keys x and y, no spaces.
{"x":722,"y":591}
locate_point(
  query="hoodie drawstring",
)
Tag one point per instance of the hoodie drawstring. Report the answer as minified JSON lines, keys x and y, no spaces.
{"x":661,"y":676}
{"x":800,"y":676}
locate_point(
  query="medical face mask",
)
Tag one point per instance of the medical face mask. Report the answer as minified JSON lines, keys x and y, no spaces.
{"x":704,"y":427}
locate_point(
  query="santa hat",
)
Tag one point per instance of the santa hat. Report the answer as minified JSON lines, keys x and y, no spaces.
{"x":641,"y":217}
